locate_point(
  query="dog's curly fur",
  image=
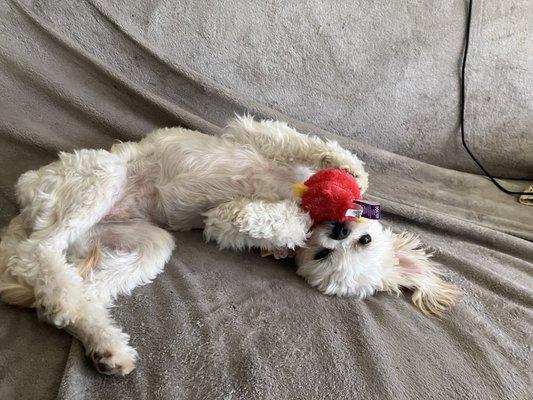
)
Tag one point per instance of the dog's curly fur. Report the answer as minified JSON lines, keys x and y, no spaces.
{"x":90,"y":226}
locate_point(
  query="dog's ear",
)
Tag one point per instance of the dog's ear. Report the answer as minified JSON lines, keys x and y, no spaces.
{"x":431,"y":294}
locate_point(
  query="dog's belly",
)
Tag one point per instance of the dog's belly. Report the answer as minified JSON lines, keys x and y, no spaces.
{"x":182,"y":202}
{"x":177,"y":183}
{"x":136,"y":205}
{"x":139,"y":197}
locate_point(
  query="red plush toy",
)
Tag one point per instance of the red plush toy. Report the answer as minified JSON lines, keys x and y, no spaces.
{"x":329,"y":195}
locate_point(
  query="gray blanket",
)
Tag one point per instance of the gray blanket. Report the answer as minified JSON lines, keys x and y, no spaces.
{"x":382,"y":79}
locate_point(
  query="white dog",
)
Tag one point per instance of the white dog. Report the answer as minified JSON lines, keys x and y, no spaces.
{"x":90,"y":226}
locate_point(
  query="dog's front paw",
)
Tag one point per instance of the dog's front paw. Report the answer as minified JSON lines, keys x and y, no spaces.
{"x":114,"y":360}
{"x":281,"y":224}
{"x":283,"y":252}
{"x":348,"y":162}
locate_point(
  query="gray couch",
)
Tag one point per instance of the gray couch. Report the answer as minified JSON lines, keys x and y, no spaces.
{"x":379,"y":77}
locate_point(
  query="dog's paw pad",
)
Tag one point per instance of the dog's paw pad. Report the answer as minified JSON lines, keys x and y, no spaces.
{"x":114,"y":363}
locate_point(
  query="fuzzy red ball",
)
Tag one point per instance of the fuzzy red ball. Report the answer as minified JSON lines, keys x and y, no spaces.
{"x":329,"y":193}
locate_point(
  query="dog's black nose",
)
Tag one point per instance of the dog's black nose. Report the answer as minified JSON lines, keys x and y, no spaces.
{"x":365,"y":239}
{"x":339,"y":231}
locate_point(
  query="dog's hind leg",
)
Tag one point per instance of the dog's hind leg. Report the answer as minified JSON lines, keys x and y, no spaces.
{"x":122,"y":256}
{"x":240,"y":224}
{"x":114,"y":258}
{"x":104,"y":342}
{"x":60,"y":202}
{"x":277,"y":141}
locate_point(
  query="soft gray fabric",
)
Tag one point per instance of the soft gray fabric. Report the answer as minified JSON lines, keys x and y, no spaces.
{"x":382,"y":73}
{"x":237,"y":326}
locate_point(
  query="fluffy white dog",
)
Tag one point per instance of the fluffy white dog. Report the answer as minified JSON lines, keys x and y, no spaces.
{"x":90,"y":226}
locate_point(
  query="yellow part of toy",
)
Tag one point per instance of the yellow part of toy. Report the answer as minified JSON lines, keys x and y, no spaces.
{"x":265,"y":253}
{"x":298,"y":189}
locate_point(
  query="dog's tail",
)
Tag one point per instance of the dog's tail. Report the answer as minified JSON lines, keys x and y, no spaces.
{"x":17,"y":294}
{"x":13,"y":290}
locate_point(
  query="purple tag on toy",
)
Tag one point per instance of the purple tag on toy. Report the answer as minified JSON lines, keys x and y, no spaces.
{"x":371,"y":209}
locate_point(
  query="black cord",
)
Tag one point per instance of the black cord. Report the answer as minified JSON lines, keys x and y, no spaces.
{"x":462,"y":100}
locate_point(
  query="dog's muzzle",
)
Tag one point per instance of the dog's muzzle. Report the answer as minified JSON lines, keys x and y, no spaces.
{"x":339,"y":231}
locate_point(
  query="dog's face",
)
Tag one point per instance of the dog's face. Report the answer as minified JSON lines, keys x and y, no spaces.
{"x":347,"y":258}
{"x":359,"y":258}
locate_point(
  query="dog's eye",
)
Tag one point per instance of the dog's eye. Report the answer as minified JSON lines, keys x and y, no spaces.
{"x":365,"y":239}
{"x":322,"y":254}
